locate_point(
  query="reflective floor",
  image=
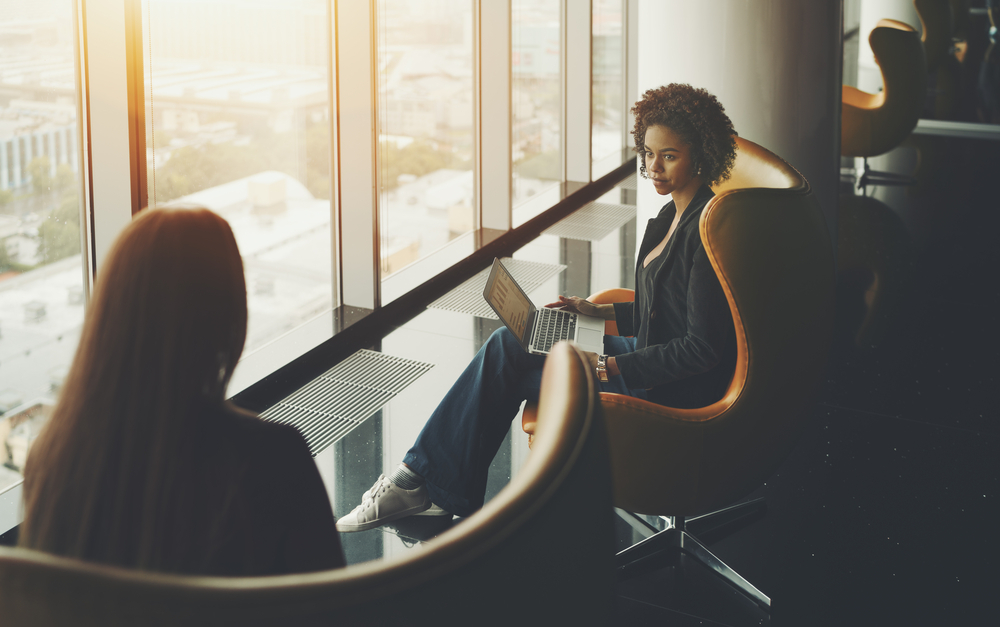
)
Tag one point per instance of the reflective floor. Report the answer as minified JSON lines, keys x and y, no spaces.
{"x":880,"y":515}
{"x":448,"y":340}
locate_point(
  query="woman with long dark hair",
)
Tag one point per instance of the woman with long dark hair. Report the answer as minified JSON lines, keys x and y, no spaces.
{"x":143,"y":463}
{"x":682,"y":349}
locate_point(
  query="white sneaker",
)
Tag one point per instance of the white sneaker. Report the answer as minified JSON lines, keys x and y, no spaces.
{"x":383,"y":503}
{"x":434,"y":510}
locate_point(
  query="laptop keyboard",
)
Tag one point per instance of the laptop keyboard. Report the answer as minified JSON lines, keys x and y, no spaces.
{"x":553,"y":325}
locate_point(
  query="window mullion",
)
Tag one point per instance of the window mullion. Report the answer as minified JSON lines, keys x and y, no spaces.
{"x":356,"y":141}
{"x":106,"y":129}
{"x":631,"y":69}
{"x":493,"y":113}
{"x":577,"y":99}
{"x":336,"y":249}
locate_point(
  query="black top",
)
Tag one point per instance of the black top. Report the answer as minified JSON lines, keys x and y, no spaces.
{"x":685,"y":341}
{"x":646,"y":284}
{"x":264,"y":506}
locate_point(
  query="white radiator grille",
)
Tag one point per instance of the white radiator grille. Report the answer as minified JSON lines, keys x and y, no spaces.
{"x":592,"y":222}
{"x":333,"y":404}
{"x":468,"y":298}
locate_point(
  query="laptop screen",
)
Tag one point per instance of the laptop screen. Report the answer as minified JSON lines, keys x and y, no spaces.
{"x":509,"y":302}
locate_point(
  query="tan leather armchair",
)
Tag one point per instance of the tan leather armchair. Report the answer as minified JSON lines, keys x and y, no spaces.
{"x":612,"y":295}
{"x":480,"y":568}
{"x":872,"y":124}
{"x":768,"y":242}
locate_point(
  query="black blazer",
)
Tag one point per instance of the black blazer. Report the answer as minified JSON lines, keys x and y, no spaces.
{"x":263,"y":507}
{"x":685,"y":341}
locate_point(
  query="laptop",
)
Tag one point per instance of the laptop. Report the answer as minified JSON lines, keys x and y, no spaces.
{"x":538,"y":329}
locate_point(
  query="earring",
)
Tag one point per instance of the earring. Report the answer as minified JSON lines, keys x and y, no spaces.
{"x":217,"y":387}
{"x":223,"y":359}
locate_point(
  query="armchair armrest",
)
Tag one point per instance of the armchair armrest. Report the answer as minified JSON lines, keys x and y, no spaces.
{"x":613,"y":295}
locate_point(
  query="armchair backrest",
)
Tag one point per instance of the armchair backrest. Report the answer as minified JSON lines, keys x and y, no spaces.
{"x":482,"y":568}
{"x":872,"y":124}
{"x":770,"y":246}
{"x":757,"y":167}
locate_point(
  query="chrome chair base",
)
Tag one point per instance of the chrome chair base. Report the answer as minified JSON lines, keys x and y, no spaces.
{"x":680,"y":538}
{"x":874,"y":178}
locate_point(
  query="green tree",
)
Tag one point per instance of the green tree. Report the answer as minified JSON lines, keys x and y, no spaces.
{"x":544,"y":166}
{"x":41,"y":179}
{"x":418,"y":158}
{"x":160,"y":139}
{"x":318,"y":160}
{"x":66,"y":179}
{"x":7,"y":264}
{"x":59,"y":233}
{"x":192,"y":169}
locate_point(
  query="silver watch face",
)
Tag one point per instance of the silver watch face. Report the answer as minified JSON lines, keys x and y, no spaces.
{"x":602,"y":368}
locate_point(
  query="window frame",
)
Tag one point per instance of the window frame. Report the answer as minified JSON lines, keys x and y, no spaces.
{"x":113,"y":102}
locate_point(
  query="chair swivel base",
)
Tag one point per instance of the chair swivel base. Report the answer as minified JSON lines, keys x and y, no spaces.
{"x":678,"y":539}
{"x":877,"y":178}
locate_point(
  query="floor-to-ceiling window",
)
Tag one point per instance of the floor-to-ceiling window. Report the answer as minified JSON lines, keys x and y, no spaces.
{"x":42,"y":290}
{"x":608,"y":86}
{"x":238,"y":119}
{"x":240,"y":104}
{"x":536,"y":100}
{"x":243,"y":106}
{"x":425,"y":127}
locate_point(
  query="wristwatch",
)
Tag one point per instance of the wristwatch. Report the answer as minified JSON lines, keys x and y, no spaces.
{"x":602,"y":368}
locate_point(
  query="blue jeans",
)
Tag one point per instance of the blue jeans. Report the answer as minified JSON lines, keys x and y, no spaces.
{"x":455,"y":448}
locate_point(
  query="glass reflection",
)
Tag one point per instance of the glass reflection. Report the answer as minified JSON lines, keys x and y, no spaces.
{"x":536,"y":60}
{"x":607,"y":134}
{"x":41,"y":272}
{"x":989,"y":71}
{"x":238,"y":121}
{"x":425,"y":65}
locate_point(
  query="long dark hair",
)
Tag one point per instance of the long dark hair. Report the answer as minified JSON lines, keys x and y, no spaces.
{"x":104,"y":480}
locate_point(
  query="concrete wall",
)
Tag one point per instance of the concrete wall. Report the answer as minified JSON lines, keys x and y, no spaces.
{"x":775,"y":66}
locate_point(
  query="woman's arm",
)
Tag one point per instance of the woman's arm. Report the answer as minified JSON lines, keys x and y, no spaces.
{"x":583,"y":306}
{"x":611,"y":363}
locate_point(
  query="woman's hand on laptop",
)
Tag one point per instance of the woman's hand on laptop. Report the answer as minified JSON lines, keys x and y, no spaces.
{"x":575,"y":304}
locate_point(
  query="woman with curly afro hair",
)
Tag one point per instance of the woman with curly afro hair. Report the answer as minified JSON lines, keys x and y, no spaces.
{"x":677,"y":345}
{"x":683,"y":352}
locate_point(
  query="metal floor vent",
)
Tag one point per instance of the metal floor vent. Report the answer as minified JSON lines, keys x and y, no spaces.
{"x":592,"y":222}
{"x":334,"y":403}
{"x":467,"y":298}
{"x":630,"y":183}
